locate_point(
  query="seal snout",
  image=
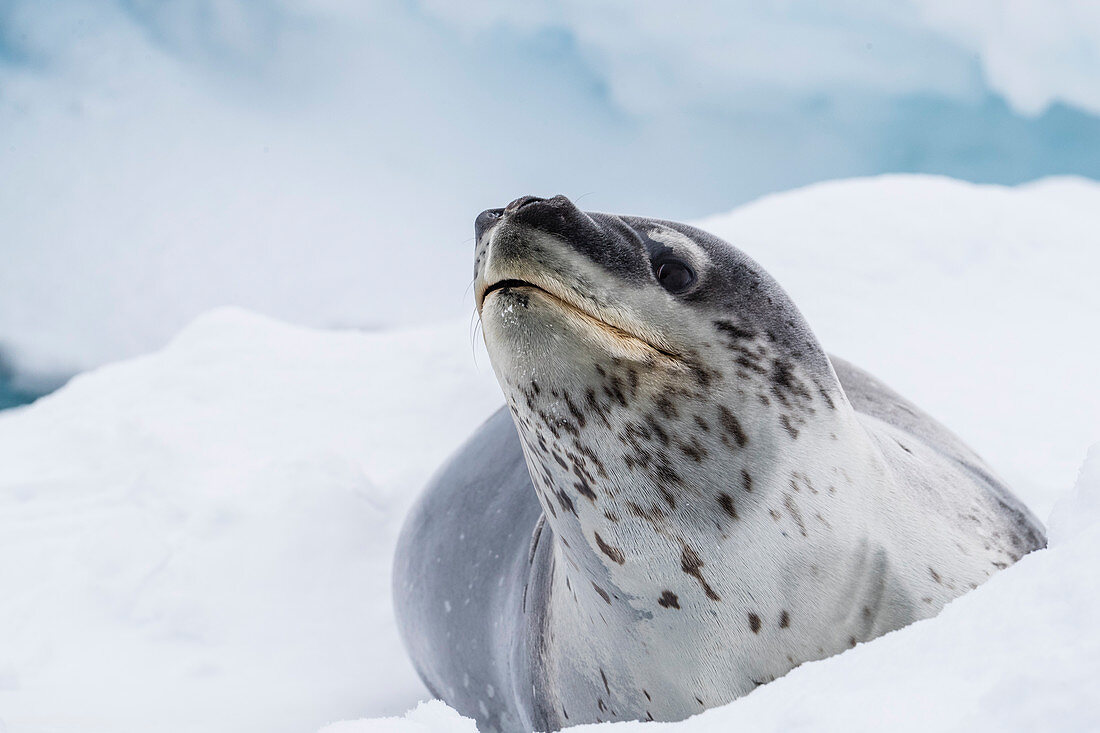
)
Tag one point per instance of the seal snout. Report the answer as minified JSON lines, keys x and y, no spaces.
{"x":554,"y":214}
{"x":520,"y":203}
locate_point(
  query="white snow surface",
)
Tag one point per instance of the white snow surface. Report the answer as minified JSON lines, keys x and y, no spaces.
{"x":200,"y":539}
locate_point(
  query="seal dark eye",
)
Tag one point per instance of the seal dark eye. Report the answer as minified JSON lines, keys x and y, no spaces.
{"x":674,"y":276}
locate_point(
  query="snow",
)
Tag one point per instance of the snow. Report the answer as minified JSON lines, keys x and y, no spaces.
{"x":428,"y":717}
{"x":200,"y":538}
{"x":162,"y":159}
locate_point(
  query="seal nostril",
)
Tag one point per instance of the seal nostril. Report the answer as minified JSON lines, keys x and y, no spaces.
{"x":520,"y":203}
{"x":486,"y":220}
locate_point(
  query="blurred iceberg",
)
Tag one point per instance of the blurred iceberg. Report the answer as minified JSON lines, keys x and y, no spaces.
{"x":322,"y":161}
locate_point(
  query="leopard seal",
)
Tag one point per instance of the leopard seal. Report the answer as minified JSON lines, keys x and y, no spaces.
{"x":685,"y":496}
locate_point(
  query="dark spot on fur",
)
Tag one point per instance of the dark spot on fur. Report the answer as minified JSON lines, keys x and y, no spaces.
{"x":701,"y":374}
{"x":796,"y":515}
{"x":751,"y":365}
{"x":785,"y":421}
{"x":654,"y":516}
{"x":666,"y":408}
{"x":604,"y":678}
{"x":566,"y":503}
{"x":666,"y":475}
{"x":785,"y":384}
{"x":693,"y":450}
{"x":746,"y":480}
{"x":726,"y":501}
{"x":731,"y":426}
{"x":602,"y":592}
{"x":584,"y":489}
{"x":691,"y":564}
{"x":612,"y":552}
{"x":734,"y":332}
{"x":647,"y":697}
{"x":577,"y":414}
{"x":784,"y":620}
{"x":657,"y":429}
{"x":754,"y":623}
{"x":935,"y":576}
{"x":668,"y":599}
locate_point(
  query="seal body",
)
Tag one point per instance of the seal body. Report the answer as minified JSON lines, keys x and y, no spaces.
{"x":685,"y":497}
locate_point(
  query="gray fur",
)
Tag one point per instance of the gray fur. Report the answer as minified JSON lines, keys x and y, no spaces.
{"x":684,"y":498}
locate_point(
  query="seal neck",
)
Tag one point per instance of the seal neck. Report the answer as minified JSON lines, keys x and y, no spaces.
{"x":769,"y":560}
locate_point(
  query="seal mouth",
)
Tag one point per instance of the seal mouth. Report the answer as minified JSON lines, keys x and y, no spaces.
{"x":508,"y":283}
{"x":594,"y":317}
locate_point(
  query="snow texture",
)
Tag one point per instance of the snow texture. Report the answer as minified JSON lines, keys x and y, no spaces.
{"x":164,"y":158}
{"x":200,"y":539}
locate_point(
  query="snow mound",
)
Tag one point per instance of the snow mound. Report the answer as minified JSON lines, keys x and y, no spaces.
{"x":203,"y":537}
{"x":428,"y":717}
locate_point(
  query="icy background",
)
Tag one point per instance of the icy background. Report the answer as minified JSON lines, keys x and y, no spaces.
{"x":200,"y":539}
{"x":196,"y":532}
{"x":310,"y":160}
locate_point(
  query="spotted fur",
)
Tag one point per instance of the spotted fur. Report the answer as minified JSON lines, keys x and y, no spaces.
{"x":700,"y":499}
